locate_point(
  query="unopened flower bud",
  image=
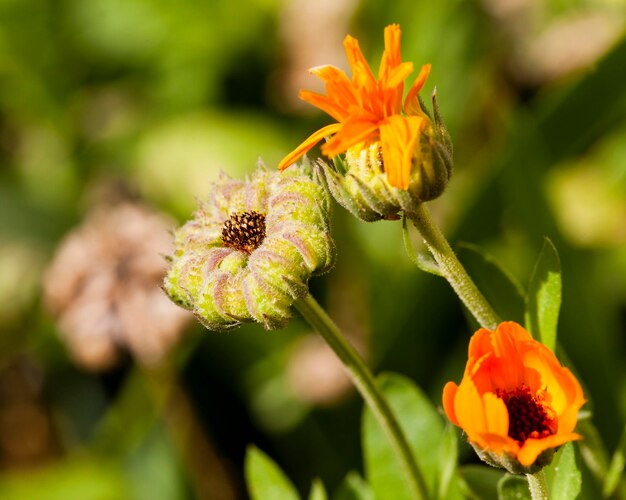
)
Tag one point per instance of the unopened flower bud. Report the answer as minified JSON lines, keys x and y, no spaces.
{"x":249,"y":251}
{"x":360,"y":182}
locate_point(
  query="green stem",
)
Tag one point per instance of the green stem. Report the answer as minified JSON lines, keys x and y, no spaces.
{"x":452,"y":269}
{"x":362,"y":378}
{"x":537,"y":486}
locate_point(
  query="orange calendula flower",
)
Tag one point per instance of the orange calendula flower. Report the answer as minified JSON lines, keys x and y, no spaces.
{"x":372,"y":118}
{"x":516,"y":403}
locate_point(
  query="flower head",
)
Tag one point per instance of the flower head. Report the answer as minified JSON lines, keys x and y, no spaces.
{"x":249,"y":251}
{"x":516,"y":403}
{"x":375,"y":126}
{"x":103,"y":286}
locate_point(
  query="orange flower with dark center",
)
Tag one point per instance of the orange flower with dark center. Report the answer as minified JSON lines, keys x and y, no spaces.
{"x":369,"y":110}
{"x":515,"y":401}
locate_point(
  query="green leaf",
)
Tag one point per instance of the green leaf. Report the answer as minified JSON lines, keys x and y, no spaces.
{"x":481,"y":481}
{"x":498,"y":286}
{"x":425,"y":262}
{"x":448,"y":458}
{"x":318,"y":492}
{"x":616,"y":468}
{"x":423,"y":427}
{"x":265,"y":479}
{"x":563,"y":475}
{"x":592,"y":449}
{"x":513,"y":488}
{"x":340,"y":164}
{"x":544,"y":296}
{"x":353,"y":487}
{"x":81,"y":477}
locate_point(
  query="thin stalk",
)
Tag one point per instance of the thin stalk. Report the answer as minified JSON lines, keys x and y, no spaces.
{"x":364,"y":381}
{"x":452,"y":270}
{"x":537,"y":486}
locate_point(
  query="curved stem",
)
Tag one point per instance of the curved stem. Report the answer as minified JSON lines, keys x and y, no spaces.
{"x":537,"y":486}
{"x":364,"y":381}
{"x":452,"y":269}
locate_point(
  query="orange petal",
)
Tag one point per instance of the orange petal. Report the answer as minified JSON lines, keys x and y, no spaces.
{"x":398,"y":74}
{"x":449,"y":393}
{"x":574,"y":400}
{"x":505,"y":346}
{"x":391,"y":56}
{"x":398,"y":136}
{"x":329,"y":73}
{"x":325,"y":103}
{"x":567,"y":420}
{"x":355,"y":129}
{"x":308,"y":143}
{"x":469,"y":410}
{"x":498,"y":443}
{"x":532,"y":448}
{"x":411,"y":103}
{"x":480,"y":344}
{"x":361,"y":72}
{"x":514,"y":330}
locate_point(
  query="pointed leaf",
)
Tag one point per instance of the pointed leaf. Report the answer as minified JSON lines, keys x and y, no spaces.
{"x":423,"y":427}
{"x":544,"y":296}
{"x":448,"y":458}
{"x":340,"y":164}
{"x":513,"y":488}
{"x":499,"y":287}
{"x":592,"y":449}
{"x":265,"y":479}
{"x":354,"y":487}
{"x":318,"y":492}
{"x":562,"y":475}
{"x":616,"y":468}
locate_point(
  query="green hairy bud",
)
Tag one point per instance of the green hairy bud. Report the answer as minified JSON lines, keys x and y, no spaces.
{"x":250,"y":250}
{"x":359,"y":183}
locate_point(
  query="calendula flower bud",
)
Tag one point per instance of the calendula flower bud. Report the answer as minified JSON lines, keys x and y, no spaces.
{"x":397,"y":155}
{"x":103,"y":288}
{"x":250,"y":250}
{"x":516,"y":403}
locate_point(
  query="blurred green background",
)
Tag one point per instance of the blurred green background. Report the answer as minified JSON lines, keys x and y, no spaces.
{"x":150,"y":99}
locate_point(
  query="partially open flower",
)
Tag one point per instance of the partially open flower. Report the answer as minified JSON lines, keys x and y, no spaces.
{"x":396,"y":156}
{"x":516,"y":403}
{"x":249,"y":251}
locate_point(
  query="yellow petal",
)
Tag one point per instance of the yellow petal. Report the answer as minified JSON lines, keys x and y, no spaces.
{"x":469,"y":410}
{"x":496,"y":414}
{"x":398,"y":136}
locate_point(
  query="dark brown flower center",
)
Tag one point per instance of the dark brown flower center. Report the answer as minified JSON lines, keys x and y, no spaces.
{"x":244,"y":231}
{"x":528,"y":417}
